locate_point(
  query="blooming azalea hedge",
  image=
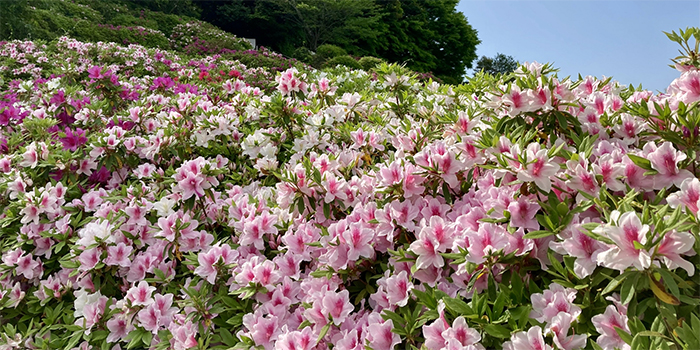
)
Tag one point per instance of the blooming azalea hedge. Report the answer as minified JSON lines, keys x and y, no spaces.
{"x":151,"y":202}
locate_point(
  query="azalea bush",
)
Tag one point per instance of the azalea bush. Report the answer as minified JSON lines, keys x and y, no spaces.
{"x":156,"y":202}
{"x":201,"y":38}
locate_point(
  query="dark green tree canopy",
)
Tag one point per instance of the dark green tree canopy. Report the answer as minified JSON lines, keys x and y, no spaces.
{"x":429,"y":35}
{"x":499,"y":64}
{"x":426,"y":35}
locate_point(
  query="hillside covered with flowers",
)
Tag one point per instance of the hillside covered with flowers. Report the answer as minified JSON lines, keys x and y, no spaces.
{"x":152,"y":201}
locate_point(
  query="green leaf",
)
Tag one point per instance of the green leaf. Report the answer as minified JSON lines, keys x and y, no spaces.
{"x":323,"y":333}
{"x":516,"y":284}
{"x":626,"y":337}
{"x":594,"y":345}
{"x":670,"y":281}
{"x":146,"y":338}
{"x":498,"y":305}
{"x":614,"y":283}
{"x":227,"y":337}
{"x":652,"y":334}
{"x":74,"y":339}
{"x":497,"y":331}
{"x":628,"y":288}
{"x":640,"y":162}
{"x":326,"y":210}
{"x":555,"y":263}
{"x":458,"y":306}
{"x":446,"y":193}
{"x":426,"y":298}
{"x":538,"y":234}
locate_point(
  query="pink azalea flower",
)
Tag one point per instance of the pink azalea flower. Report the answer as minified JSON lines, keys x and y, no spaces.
{"x":303,"y":340}
{"x":559,"y":327}
{"x":517,"y":101}
{"x":629,"y":229}
{"x":398,"y":289}
{"x":665,"y":159}
{"x":434,"y":207}
{"x":16,"y":295}
{"x":610,"y":171}
{"x":183,"y":335}
{"x":334,"y":188}
{"x":428,"y":253}
{"x":635,"y":175}
{"x":119,"y":327}
{"x":518,"y":244}
{"x":207,"y":260}
{"x":605,"y":325}
{"x":337,"y":306}
{"x":532,"y":340}
{"x":489,"y":239}
{"x":689,"y":86}
{"x":379,"y":334}
{"x":266,"y":274}
{"x":404,"y":213}
{"x":191,"y":185}
{"x":465,"y":336}
{"x":583,"y":180}
{"x":391,"y":175}
{"x":539,"y":168}
{"x":412,"y":182}
{"x":89,"y":258}
{"x":552,"y":301}
{"x":149,"y":319}
{"x":28,"y":267}
{"x":672,"y":246}
{"x":136,"y":215}
{"x":356,"y":240}
{"x":263,"y":330}
{"x":688,"y":197}
{"x":119,"y":255}
{"x":140,"y":294}
{"x":522,"y":214}
{"x":349,"y":341}
{"x":434,"y":332}
{"x":581,"y":246}
{"x":560,"y":304}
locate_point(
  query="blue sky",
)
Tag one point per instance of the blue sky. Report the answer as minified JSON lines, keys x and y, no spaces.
{"x":622,"y":39}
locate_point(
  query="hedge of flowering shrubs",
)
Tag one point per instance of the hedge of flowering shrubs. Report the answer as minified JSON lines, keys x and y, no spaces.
{"x":149,"y":202}
{"x":201,"y":38}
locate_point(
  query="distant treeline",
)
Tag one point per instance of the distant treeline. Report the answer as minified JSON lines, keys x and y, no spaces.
{"x":426,"y":35}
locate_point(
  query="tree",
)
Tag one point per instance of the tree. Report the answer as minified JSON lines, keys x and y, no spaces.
{"x":175,"y":7}
{"x":426,"y":35}
{"x":265,"y":20}
{"x":13,"y":20}
{"x":339,"y":22}
{"x":287,"y":24}
{"x":429,"y":36}
{"x":500,"y":64}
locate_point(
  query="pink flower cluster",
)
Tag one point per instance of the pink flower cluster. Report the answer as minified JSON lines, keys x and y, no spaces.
{"x":146,"y":207}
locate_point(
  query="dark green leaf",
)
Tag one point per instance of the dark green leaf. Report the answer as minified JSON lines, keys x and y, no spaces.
{"x":497,"y":331}
{"x":458,"y":306}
